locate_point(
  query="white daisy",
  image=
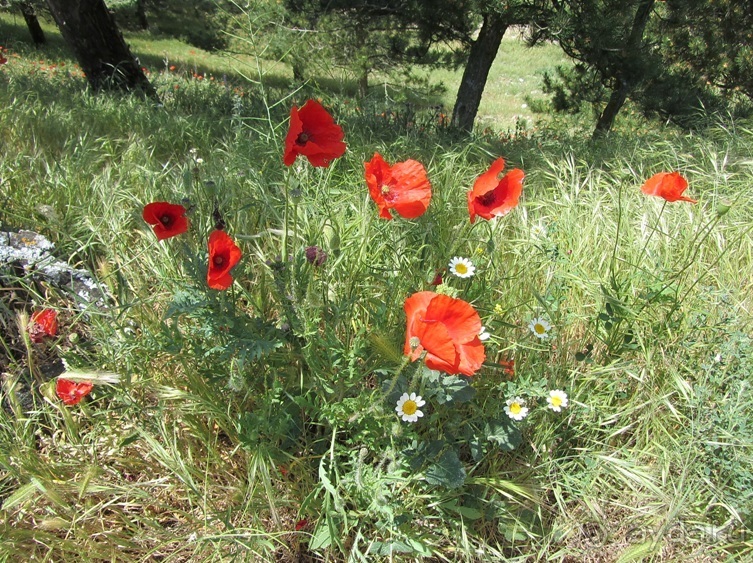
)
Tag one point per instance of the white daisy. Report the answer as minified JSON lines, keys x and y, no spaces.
{"x":540,"y":327}
{"x":483,"y":335}
{"x":538,"y":231}
{"x":557,"y":400}
{"x":407,"y":407}
{"x":462,"y":267}
{"x":515,"y":408}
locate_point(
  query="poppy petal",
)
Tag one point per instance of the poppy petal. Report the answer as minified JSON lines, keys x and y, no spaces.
{"x":462,"y":321}
{"x":42,"y":324}
{"x":403,"y":187}
{"x":71,"y":392}
{"x":441,"y":351}
{"x":224,"y":254}
{"x":489,"y":179}
{"x":494,"y":197}
{"x":447,"y":330}
{"x":415,"y":306}
{"x":314,"y":134}
{"x":295,"y":129}
{"x":167,"y":219}
{"x":472,"y":356}
{"x":412,"y":192}
{"x":667,"y":185}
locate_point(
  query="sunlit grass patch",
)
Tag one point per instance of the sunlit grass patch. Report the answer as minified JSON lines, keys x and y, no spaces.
{"x":265,"y":419}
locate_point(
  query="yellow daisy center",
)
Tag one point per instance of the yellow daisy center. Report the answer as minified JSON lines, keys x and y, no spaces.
{"x":515,"y":408}
{"x":461,"y":268}
{"x":556,"y":401}
{"x":410,"y":407}
{"x":539,"y":328}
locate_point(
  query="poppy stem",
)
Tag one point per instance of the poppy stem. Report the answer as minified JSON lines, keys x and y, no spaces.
{"x":651,"y":233}
{"x":398,"y":371}
{"x":710,"y":268}
{"x":285,"y":220}
{"x":613,"y":260}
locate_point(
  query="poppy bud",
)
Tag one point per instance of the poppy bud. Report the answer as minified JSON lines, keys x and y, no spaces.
{"x":315,"y":255}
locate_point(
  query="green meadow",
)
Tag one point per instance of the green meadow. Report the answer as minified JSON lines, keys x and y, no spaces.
{"x":259,"y":423}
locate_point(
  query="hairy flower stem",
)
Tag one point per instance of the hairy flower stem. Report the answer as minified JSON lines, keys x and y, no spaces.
{"x":286,"y":219}
{"x":399,"y":370}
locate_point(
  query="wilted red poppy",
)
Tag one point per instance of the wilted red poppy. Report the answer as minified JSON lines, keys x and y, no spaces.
{"x":43,"y":323}
{"x":167,"y":219}
{"x":668,"y":185}
{"x":314,"y":134}
{"x":508,"y":366}
{"x":403,"y":187}
{"x":492,"y":197}
{"x":437,"y":278}
{"x":447,"y":330}
{"x":71,"y":392}
{"x":224,"y":254}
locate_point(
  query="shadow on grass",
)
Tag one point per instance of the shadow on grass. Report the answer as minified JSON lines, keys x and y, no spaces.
{"x":393,"y":113}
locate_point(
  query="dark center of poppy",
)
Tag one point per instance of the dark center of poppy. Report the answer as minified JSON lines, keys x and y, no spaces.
{"x":487,"y":199}
{"x":218,"y":261}
{"x":166,"y":220}
{"x":303,"y":138}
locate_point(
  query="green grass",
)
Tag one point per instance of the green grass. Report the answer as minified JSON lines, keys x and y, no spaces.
{"x":243,"y":415}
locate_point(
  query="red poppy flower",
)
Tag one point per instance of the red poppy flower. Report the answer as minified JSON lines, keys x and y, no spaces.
{"x":403,"y":187}
{"x":447,"y":330}
{"x":71,"y":392}
{"x":492,"y":197}
{"x":314,"y":134}
{"x":301,"y":524}
{"x":508,"y":366}
{"x":223,"y":256}
{"x":43,"y":323}
{"x":668,"y":185}
{"x":167,"y":219}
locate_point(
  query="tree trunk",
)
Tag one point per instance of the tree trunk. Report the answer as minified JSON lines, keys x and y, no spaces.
{"x":30,"y":16}
{"x":299,"y":67}
{"x":363,"y":84}
{"x":141,"y":14}
{"x":89,"y":29}
{"x":480,"y":59}
{"x":615,"y":103}
{"x":625,"y":84}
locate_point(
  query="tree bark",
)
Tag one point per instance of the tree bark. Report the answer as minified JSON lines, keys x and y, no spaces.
{"x":90,"y":30}
{"x":363,"y":84}
{"x":615,"y":103}
{"x":480,"y":59}
{"x":30,"y":17}
{"x":625,"y":82}
{"x":141,"y":14}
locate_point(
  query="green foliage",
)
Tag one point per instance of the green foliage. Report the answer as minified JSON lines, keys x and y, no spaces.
{"x":369,"y":37}
{"x":713,"y":39}
{"x":202,"y":23}
{"x":612,"y":53}
{"x":259,"y":423}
